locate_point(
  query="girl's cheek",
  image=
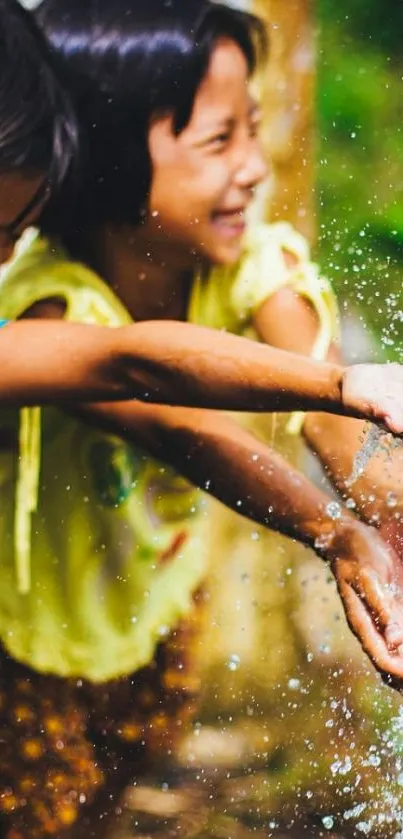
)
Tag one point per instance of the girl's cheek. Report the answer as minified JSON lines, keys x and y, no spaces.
{"x":214,"y":183}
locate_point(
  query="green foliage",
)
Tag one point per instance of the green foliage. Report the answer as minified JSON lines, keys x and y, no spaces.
{"x":369,"y":21}
{"x":361,"y":159}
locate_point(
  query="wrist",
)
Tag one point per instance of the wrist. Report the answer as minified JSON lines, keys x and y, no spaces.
{"x":325,"y":534}
{"x":326,"y":387}
{"x":337,"y":374}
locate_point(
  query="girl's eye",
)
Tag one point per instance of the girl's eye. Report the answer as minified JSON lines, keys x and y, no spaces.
{"x":219,"y":141}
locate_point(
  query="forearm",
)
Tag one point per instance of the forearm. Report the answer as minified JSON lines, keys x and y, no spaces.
{"x":194,"y":366}
{"x":336,"y":443}
{"x":215,"y":454}
{"x":378,"y":491}
{"x":54,"y":361}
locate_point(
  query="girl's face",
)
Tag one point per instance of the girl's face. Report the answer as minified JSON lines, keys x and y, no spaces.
{"x":204,"y":178}
{"x":21,"y":200}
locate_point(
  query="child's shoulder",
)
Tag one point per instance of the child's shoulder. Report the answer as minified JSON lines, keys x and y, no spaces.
{"x":276,"y":236}
{"x":35,"y":259}
{"x":42,"y":270}
{"x":269,"y":250}
{"x":228,"y":297}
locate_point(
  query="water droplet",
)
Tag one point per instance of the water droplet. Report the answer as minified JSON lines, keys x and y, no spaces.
{"x":233,"y":662}
{"x":294,"y":684}
{"x":328,"y":822}
{"x":340,"y":767}
{"x":391,"y":499}
{"x":333,"y":510}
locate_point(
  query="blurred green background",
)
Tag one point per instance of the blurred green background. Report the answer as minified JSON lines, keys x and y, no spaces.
{"x":360,"y":159}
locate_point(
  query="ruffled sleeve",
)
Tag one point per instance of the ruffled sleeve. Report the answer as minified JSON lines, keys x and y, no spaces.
{"x":229,"y":297}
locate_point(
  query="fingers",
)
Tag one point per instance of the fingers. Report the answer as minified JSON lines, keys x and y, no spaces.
{"x":393,"y":420}
{"x":393,"y":635}
{"x":391,"y":531}
{"x":376,"y":393}
{"x":389,"y":407}
{"x":373,"y":642}
{"x":370,"y":587}
{"x":382,"y":606}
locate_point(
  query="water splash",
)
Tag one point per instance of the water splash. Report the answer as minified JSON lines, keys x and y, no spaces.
{"x":386,"y":758}
{"x":376,"y":440}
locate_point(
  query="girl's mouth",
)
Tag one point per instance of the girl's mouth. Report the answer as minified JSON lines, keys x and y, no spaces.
{"x":230,"y":223}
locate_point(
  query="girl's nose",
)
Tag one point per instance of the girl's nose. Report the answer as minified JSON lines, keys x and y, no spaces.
{"x":254,"y":170}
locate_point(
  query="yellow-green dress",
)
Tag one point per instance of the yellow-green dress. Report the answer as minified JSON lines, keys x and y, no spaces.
{"x":87,"y":518}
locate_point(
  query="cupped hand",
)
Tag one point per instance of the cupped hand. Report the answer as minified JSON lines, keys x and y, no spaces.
{"x":369,"y":577}
{"x":391,"y":531}
{"x":375,"y":392}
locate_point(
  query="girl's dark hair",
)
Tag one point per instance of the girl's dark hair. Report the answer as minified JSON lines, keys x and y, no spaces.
{"x":37,"y":126}
{"x":125,"y":62}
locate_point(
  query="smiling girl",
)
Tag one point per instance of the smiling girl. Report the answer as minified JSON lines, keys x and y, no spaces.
{"x":38,"y":148}
{"x":98,"y":626}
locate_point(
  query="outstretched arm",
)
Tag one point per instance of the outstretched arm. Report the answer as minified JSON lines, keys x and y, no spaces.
{"x":176,"y":363}
{"x":216,"y":454}
{"x":52,"y":361}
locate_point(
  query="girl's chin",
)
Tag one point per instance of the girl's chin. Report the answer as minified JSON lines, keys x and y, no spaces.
{"x":228,"y":253}
{"x":222,"y":251}
{"x":219,"y":251}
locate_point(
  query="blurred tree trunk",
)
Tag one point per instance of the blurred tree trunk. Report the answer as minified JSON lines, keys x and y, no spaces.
{"x":289,"y":108}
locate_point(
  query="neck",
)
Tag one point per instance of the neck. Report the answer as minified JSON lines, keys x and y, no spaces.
{"x":152,"y":280}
